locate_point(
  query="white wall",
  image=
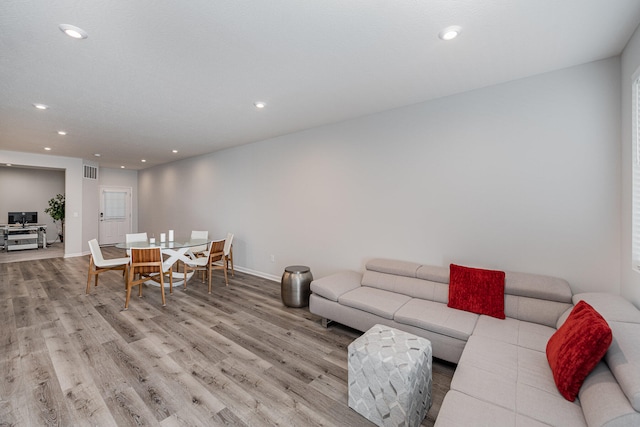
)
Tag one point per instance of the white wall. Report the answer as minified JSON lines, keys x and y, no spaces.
{"x":28,"y":189}
{"x":521,"y":176}
{"x":72,"y":189}
{"x":82,"y":196}
{"x":630,"y":66}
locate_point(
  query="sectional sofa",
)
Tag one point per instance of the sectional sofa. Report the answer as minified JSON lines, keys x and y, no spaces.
{"x":503,"y":377}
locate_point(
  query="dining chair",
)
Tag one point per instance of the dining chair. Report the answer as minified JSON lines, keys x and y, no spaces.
{"x":97,"y":264}
{"x":146,"y":264}
{"x":200,"y":249}
{"x":134,"y":237}
{"x":215,"y":254}
{"x":228,"y":252}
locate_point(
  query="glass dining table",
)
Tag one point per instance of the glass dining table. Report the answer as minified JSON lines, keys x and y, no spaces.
{"x":176,"y":250}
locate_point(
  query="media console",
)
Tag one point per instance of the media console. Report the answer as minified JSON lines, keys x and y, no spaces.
{"x":17,"y":237}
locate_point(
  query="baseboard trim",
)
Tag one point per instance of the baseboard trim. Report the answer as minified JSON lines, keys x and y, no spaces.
{"x":257,"y":273}
{"x":76,"y":255}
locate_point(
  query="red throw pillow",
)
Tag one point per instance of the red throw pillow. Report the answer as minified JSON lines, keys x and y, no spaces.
{"x":577,"y":347}
{"x":476,"y":290}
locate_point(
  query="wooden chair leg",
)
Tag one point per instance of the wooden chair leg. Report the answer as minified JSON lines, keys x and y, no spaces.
{"x":226,"y":279}
{"x":164,"y":302}
{"x":171,"y":280}
{"x":184,"y":276}
{"x":89,"y":275}
{"x":209,"y":274}
{"x":126,"y":301}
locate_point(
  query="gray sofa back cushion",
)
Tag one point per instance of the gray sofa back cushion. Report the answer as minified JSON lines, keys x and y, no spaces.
{"x":534,"y":310}
{"x":537,"y":286}
{"x":529,"y":297}
{"x":623,"y":356}
{"x":604,"y":403}
{"x":410,"y":286}
{"x":391,"y":266}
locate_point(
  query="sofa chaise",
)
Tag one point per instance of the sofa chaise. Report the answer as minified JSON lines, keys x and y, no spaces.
{"x":503,"y":377}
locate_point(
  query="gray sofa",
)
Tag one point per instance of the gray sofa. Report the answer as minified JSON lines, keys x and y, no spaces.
{"x":502,"y":376}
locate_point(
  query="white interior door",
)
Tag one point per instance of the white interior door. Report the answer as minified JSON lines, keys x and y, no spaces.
{"x":115,"y":214}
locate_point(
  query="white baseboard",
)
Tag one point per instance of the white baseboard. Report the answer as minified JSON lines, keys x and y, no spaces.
{"x":76,"y":254}
{"x":257,"y":273}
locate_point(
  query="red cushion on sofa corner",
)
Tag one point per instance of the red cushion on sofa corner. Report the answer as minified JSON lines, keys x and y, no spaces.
{"x":577,"y":347}
{"x":476,"y":290}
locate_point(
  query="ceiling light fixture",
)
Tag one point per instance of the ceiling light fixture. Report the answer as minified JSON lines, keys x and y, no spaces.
{"x":62,"y":132}
{"x":73,"y":31}
{"x":47,"y":148}
{"x":260,"y":104}
{"x":450,"y":33}
{"x":174,"y":151}
{"x":41,"y":106}
{"x":121,"y":167}
{"x":97,"y":154}
{"x":143,"y":161}
{"x":9,"y":164}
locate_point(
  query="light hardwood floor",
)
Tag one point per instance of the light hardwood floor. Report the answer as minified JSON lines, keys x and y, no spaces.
{"x":235,"y":357}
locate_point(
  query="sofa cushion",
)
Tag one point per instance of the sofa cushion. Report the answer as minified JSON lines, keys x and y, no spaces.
{"x":623,"y":358}
{"x":437,"y":317}
{"x":577,"y":347}
{"x":534,"y":310}
{"x":477,"y":290}
{"x":515,"y":378}
{"x":513,"y":331}
{"x":331,"y":287}
{"x":612,"y":307}
{"x":603,"y":402}
{"x":375,"y":301}
{"x":537,"y":286}
{"x":433,"y":273}
{"x":410,"y":286}
{"x":391,"y":266}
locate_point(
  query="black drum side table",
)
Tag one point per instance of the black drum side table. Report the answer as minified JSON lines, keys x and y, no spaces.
{"x":295,"y":286}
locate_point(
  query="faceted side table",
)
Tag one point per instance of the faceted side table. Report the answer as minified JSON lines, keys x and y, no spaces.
{"x":390,"y":377}
{"x":295,"y":286}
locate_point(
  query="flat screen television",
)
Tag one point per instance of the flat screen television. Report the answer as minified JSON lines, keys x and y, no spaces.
{"x":23,"y":218}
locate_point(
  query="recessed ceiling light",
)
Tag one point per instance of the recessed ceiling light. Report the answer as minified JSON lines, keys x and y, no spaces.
{"x":121,"y":167}
{"x":97,"y":154}
{"x":73,"y":31}
{"x":450,"y":33}
{"x":9,"y":164}
{"x":47,"y":148}
{"x":260,"y":104}
{"x":174,"y":151}
{"x":143,"y":161}
{"x":62,"y":132}
{"x":41,"y":106}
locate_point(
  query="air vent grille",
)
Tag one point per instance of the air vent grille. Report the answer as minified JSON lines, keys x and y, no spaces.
{"x":90,"y":172}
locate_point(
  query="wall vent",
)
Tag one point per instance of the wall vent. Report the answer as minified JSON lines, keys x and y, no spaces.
{"x":90,"y":172}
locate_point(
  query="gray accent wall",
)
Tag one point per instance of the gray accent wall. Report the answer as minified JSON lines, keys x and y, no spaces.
{"x":522,"y":176}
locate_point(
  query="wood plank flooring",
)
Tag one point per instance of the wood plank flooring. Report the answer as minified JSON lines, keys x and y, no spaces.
{"x":235,"y":357}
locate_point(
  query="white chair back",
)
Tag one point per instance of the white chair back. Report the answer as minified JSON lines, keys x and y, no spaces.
{"x":135,"y":237}
{"x":96,"y":252}
{"x":199,"y":235}
{"x":227,"y":244}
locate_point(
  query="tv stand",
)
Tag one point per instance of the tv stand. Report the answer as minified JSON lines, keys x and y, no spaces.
{"x":17,"y":237}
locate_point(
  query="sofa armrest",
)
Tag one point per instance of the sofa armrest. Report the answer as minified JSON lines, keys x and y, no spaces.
{"x":331,"y":287}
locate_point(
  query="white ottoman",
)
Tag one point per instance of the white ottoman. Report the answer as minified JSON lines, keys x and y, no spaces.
{"x":390,"y":377}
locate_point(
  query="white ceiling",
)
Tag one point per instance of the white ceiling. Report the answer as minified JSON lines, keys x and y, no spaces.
{"x":157,"y":75}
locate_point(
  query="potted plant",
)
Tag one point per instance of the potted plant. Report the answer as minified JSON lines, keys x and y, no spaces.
{"x":56,"y":211}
